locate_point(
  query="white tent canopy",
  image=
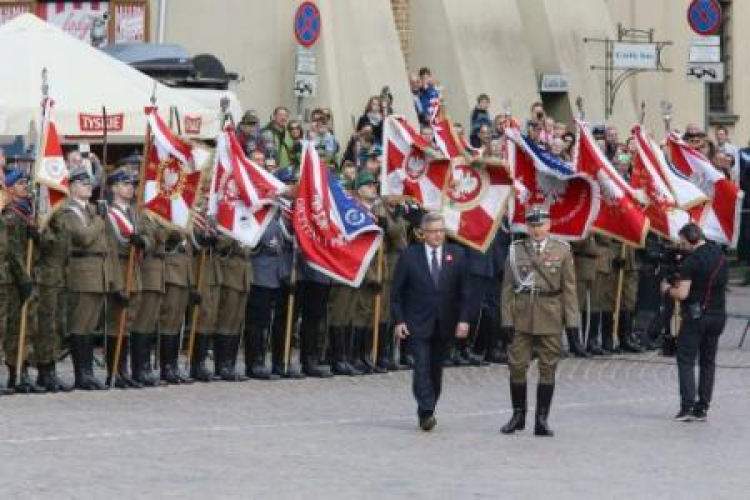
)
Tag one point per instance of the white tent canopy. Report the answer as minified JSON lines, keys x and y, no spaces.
{"x":83,"y":82}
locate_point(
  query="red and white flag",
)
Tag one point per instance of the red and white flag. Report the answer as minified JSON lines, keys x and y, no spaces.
{"x":475,"y":201}
{"x":172,"y":175}
{"x":671,"y":200}
{"x":542,"y":179}
{"x":620,"y":213}
{"x":720,"y":218}
{"x":447,"y":140}
{"x":336,"y":234}
{"x":243,"y":195}
{"x":50,"y":171}
{"x":409,"y":167}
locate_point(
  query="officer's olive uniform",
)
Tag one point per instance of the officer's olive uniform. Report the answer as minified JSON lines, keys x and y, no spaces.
{"x":539,"y":310}
{"x":178,"y":281}
{"x":209,"y":284}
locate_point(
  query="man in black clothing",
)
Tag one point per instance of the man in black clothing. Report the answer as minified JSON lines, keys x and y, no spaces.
{"x":702,"y":289}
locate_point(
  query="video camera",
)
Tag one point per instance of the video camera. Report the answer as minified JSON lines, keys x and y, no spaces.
{"x":667,"y":257}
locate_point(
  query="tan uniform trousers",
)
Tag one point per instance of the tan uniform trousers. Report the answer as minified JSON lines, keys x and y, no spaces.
{"x":84,"y":311}
{"x":232,"y":311}
{"x":519,"y":357}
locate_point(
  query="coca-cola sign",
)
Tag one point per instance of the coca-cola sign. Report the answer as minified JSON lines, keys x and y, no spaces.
{"x":95,"y":123}
{"x":192,"y":124}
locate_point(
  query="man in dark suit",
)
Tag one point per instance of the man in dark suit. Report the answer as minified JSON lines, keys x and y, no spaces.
{"x":429,"y":304}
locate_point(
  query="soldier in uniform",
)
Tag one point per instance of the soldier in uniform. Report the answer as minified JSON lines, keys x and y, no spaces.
{"x":178,"y":295}
{"x":538,"y":301}
{"x":204,"y":240}
{"x":585,"y":253}
{"x":236,"y":283}
{"x":627,"y":262}
{"x":146,"y":320}
{"x":53,"y":250}
{"x":363,"y":300}
{"x":89,"y":278}
{"x":599,"y":341}
{"x":19,"y":221}
{"x":266,"y":308}
{"x":6,"y":277}
{"x":313,"y":288}
{"x":125,"y":231}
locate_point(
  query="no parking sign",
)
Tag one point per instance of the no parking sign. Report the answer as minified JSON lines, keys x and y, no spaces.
{"x":704,"y":16}
{"x":307,"y":24}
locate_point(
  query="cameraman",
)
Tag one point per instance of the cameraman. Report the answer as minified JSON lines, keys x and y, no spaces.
{"x":701,"y":288}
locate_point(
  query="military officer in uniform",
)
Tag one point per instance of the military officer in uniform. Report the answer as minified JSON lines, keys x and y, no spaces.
{"x":236,"y":283}
{"x":626,"y":261}
{"x":266,"y":308}
{"x":178,"y":295}
{"x":6,"y":277}
{"x":146,"y":320}
{"x":89,"y":278}
{"x":49,"y":273}
{"x":204,"y":239}
{"x":313,"y":288}
{"x":538,"y":302}
{"x":585,"y":253}
{"x":599,"y":339}
{"x":124,"y":230}
{"x":19,"y":221}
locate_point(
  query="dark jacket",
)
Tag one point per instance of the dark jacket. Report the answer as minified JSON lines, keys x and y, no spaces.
{"x":416,"y":301}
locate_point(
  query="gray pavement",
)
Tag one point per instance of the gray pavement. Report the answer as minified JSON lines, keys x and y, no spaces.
{"x":357,"y":438}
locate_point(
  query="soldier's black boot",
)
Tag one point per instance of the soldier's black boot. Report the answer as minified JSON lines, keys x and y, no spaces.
{"x":228,"y":345}
{"x":89,"y":366}
{"x":592,"y":344}
{"x":543,"y":401}
{"x":308,"y":352}
{"x":49,"y":380}
{"x":82,"y":350}
{"x":517,"y":421}
{"x":198,"y":369}
{"x":627,"y":340}
{"x":114,"y":369}
{"x":140,"y":359}
{"x":340,"y":364}
{"x":277,"y":355}
{"x":365,"y":350}
{"x":168,"y":353}
{"x":385,"y":361}
{"x":608,"y":325}
{"x":25,"y":385}
{"x":574,"y":344}
{"x":256,"y":341}
{"x":357,"y":345}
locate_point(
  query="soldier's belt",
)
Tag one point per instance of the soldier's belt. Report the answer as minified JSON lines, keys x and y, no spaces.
{"x":585,"y":255}
{"x":80,"y":254}
{"x":539,"y":293}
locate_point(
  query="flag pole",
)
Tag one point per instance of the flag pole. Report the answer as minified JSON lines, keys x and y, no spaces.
{"x":587,"y":325}
{"x":378,"y":299}
{"x":290,"y":309}
{"x":195,"y":314}
{"x":122,"y":320}
{"x":30,"y":242}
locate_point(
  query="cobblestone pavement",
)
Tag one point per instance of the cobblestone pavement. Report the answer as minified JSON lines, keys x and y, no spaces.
{"x":357,"y":438}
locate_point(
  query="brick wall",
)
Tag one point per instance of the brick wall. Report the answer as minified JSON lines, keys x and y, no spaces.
{"x":403,"y":26}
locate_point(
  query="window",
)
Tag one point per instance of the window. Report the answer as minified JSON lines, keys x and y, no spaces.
{"x":719,"y":94}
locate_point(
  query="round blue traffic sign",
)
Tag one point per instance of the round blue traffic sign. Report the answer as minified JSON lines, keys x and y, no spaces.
{"x":704,"y":16}
{"x":307,"y":24}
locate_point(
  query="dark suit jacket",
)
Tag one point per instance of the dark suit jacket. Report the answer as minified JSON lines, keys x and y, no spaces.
{"x":416,"y":301}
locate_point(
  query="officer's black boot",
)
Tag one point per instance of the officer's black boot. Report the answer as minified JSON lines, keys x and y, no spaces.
{"x":167,"y":359}
{"x":517,"y":421}
{"x":592,"y":344}
{"x":608,"y":325}
{"x":627,"y":340}
{"x":574,"y":344}
{"x":308,"y":352}
{"x":89,"y":366}
{"x":543,"y":401}
{"x":140,"y":359}
{"x":229,"y":345}
{"x":278,"y":352}
{"x":123,"y":367}
{"x":340,"y":364}
{"x":256,"y":341}
{"x":82,"y":350}
{"x":51,"y":382}
{"x":114,"y":369}
{"x":365,"y":350}
{"x":385,"y":359}
{"x":198,"y":368}
{"x":25,"y":385}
